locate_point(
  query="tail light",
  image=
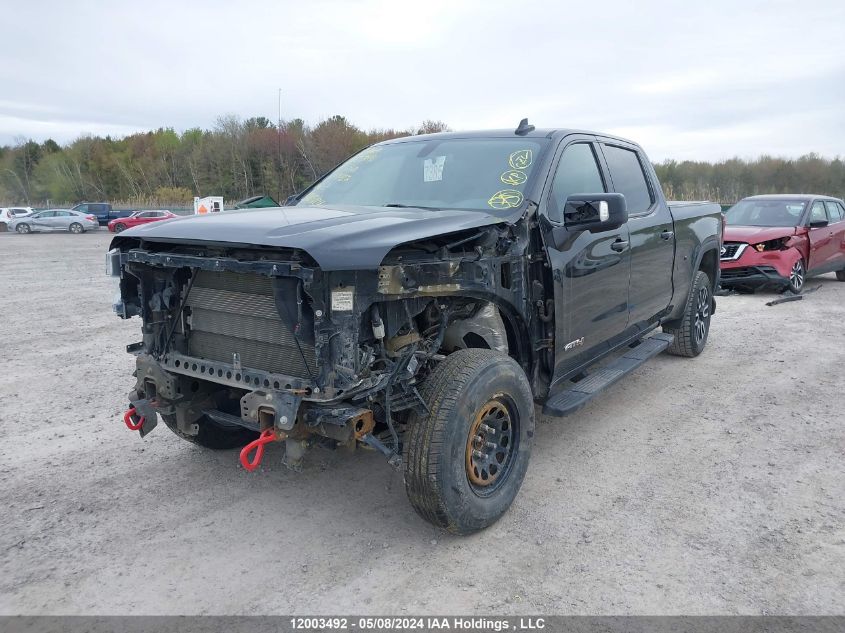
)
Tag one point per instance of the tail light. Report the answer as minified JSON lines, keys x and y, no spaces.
{"x":93,"y":218}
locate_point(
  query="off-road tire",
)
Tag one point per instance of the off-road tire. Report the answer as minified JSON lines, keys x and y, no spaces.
{"x":76,"y":228}
{"x":688,"y":339}
{"x":840,"y":275}
{"x":212,"y":435}
{"x":119,"y":228}
{"x":435,"y":449}
{"x":23,"y":229}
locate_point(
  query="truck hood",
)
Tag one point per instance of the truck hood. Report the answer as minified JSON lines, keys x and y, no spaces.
{"x":339,"y":237}
{"x":757,"y":234}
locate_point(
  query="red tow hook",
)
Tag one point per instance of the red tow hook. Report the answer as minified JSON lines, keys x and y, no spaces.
{"x":266,"y":437}
{"x":127,"y":420}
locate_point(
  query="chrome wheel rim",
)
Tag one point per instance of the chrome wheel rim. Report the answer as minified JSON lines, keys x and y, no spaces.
{"x":796,"y":275}
{"x":702,"y":314}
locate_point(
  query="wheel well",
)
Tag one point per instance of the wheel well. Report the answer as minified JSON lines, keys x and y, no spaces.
{"x":710,"y":265}
{"x":514,"y":334}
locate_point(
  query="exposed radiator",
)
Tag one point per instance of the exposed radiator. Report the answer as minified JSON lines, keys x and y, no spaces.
{"x":235,"y":313}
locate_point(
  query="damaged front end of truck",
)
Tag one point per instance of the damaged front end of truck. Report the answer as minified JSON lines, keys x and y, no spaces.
{"x":245,"y":345}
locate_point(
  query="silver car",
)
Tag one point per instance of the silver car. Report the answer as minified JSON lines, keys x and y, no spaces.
{"x":55,"y":220}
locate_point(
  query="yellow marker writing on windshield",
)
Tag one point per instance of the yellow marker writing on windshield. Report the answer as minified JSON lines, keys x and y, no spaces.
{"x":513,"y":177}
{"x":521,"y":159}
{"x":505,"y":199}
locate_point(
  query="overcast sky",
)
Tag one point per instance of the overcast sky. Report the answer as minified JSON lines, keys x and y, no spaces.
{"x":704,"y":80}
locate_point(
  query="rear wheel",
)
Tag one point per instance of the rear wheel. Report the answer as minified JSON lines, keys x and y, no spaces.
{"x":23,"y":228}
{"x":797,"y":275}
{"x":692,"y":330}
{"x":212,"y":434}
{"x":118,"y":228}
{"x":466,"y":459}
{"x":76,"y":227}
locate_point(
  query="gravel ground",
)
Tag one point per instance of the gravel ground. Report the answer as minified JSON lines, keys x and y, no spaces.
{"x":702,"y":486}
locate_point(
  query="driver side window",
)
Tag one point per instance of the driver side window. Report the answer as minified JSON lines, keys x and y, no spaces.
{"x":577,"y":172}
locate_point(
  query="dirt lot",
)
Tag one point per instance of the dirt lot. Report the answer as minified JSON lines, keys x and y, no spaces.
{"x":700,"y":486}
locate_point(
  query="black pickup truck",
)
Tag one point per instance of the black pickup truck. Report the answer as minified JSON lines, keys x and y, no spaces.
{"x":103,"y":211}
{"x":419,"y":299}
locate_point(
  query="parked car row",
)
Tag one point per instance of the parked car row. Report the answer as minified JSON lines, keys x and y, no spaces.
{"x":78,"y":219}
{"x":778,"y":241}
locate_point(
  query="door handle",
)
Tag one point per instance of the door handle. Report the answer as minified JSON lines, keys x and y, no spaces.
{"x":667,"y":235}
{"x":619,"y":245}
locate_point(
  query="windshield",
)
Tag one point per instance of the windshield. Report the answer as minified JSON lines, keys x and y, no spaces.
{"x":765,"y":213}
{"x":479,"y":174}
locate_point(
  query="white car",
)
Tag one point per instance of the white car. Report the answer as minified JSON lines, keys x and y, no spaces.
{"x":7,"y":214}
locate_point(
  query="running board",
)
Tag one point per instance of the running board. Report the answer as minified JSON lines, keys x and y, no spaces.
{"x":568,"y":401}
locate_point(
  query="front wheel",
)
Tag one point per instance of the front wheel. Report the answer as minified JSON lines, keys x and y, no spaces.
{"x":797,"y":275}
{"x":692,"y":330}
{"x":23,"y":229}
{"x":76,"y":227}
{"x":466,"y":459}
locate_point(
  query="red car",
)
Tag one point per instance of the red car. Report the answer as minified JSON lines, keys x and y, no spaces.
{"x":778,"y":241}
{"x":139,"y":217}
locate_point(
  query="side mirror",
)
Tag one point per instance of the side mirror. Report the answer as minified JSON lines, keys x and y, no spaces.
{"x":818,"y":224}
{"x":595,"y":212}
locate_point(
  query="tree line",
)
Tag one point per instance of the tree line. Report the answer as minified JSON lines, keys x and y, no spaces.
{"x":730,"y":180}
{"x":240,"y":158}
{"x":236,"y":159}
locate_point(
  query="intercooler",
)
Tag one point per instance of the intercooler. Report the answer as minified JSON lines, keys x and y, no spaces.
{"x":235,"y":314}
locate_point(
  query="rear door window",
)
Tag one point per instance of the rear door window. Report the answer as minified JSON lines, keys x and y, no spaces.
{"x":628,"y":178}
{"x":834,"y":211}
